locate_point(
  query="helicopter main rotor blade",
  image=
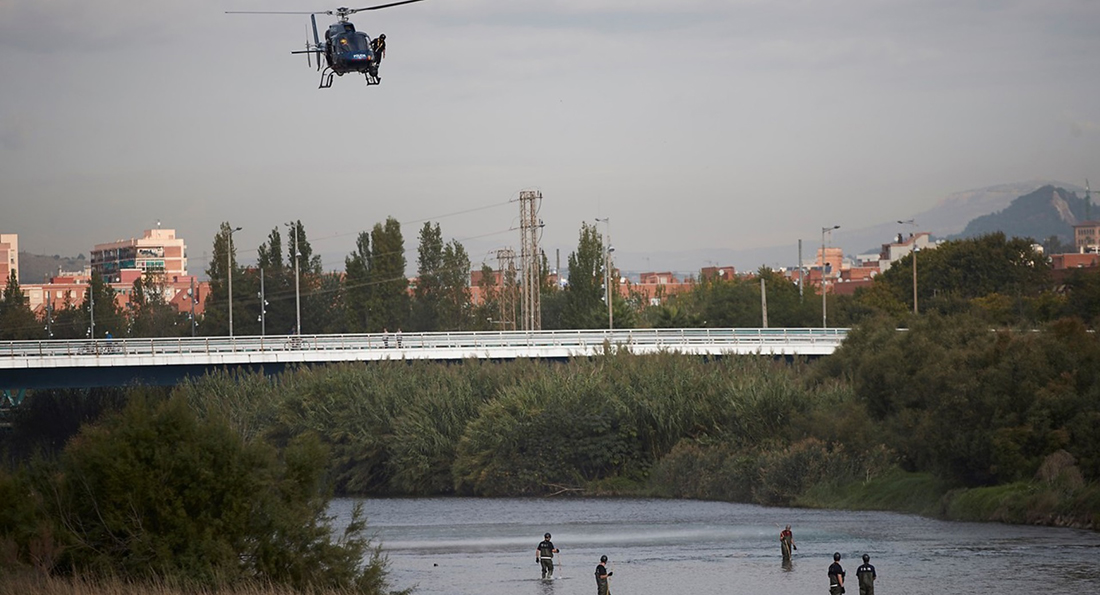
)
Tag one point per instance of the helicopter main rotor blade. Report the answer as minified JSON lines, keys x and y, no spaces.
{"x":381,"y":6}
{"x":275,"y":12}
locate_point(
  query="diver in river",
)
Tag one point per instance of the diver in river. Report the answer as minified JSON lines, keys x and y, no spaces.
{"x":836,"y":576}
{"x":866,"y":575}
{"x":603,"y":586}
{"x":544,"y":555}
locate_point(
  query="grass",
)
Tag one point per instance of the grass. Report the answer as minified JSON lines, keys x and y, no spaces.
{"x":898,"y":491}
{"x":1033,"y":503}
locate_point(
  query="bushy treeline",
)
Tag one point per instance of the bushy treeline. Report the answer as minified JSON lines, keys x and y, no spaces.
{"x":976,"y":406}
{"x":517,"y":428}
{"x":947,"y":397}
{"x":1003,"y":425}
{"x":154,"y":492}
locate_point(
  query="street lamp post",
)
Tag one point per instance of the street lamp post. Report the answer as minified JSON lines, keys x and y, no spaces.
{"x":824,"y":286}
{"x":297,"y":287}
{"x":192,"y":298}
{"x":607,"y":250}
{"x":263,"y":305}
{"x":913,"y":223}
{"x":91,"y":307}
{"x":229,"y":273}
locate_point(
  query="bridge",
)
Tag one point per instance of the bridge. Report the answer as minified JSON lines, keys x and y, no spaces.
{"x":165,"y":361}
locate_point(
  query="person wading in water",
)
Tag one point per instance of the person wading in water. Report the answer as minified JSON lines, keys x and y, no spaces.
{"x":602,"y":586}
{"x":836,"y":576}
{"x":866,"y":575}
{"x":545,"y":556}
{"x":786,"y":542}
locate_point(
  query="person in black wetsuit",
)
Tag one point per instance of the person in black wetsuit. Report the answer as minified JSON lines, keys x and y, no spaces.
{"x":544,"y":555}
{"x":602,"y":586}
{"x":836,"y":576}
{"x":866,"y":575}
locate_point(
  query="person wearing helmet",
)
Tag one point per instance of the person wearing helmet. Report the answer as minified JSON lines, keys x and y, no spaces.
{"x":379,"y":47}
{"x":602,"y":586}
{"x":866,"y":575}
{"x":544,"y":555}
{"x":836,"y":576}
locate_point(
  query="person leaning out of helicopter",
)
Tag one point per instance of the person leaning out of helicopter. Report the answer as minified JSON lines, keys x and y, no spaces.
{"x":378,"y":46}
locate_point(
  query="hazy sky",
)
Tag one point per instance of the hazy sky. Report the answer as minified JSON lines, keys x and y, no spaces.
{"x":692,"y":124}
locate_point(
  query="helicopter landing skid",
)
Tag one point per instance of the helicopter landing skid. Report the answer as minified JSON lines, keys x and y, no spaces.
{"x":328,"y":73}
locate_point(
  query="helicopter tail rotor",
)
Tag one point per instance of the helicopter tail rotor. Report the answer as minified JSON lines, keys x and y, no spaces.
{"x":316,"y":40}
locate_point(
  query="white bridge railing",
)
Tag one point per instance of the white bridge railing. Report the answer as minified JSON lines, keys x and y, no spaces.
{"x":441,"y":346}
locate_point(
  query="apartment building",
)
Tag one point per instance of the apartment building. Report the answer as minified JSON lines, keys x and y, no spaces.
{"x":9,"y":256}
{"x":158,"y":251}
{"x":1086,"y":236}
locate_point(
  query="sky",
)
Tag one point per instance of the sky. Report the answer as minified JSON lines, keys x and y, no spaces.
{"x":692,"y":125}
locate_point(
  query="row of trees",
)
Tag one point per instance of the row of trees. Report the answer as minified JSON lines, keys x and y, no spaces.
{"x":147,"y":313}
{"x":373,"y":293}
{"x":370,"y":295}
{"x":1001,"y":280}
{"x":998,"y":280}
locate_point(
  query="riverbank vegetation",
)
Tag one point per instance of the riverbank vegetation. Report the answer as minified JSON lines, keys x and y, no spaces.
{"x":946,"y":418}
{"x":155,"y":495}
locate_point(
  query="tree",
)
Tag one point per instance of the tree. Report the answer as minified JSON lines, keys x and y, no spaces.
{"x":442,"y":297}
{"x":489,"y":309}
{"x":1083,"y":295}
{"x":109,"y":319}
{"x":455,"y":308}
{"x":314,"y":304}
{"x":390,"y":300}
{"x":69,"y":322}
{"x":1055,"y":245}
{"x":157,"y":492}
{"x":17,"y":321}
{"x":150,"y":314}
{"x":215,"y":320}
{"x":427,"y":294}
{"x":325,"y":307}
{"x":584,"y":305}
{"x":278,"y":286}
{"x":960,"y":270}
{"x":358,"y":289}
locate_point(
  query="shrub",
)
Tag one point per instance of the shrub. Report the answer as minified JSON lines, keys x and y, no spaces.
{"x":157,"y":492}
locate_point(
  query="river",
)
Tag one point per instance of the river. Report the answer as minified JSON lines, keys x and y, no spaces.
{"x":458,"y":546}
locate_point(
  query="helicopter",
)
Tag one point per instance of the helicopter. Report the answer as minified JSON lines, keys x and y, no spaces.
{"x":345,"y":49}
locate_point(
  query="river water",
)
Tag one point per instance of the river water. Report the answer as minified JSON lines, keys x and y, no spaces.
{"x":681,"y":547}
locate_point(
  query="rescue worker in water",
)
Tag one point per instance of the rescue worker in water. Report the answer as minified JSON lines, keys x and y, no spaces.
{"x":544,"y":555}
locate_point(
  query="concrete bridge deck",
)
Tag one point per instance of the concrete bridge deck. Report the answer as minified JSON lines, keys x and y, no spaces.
{"x":65,"y":363}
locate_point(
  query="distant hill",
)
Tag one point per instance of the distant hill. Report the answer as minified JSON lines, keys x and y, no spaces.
{"x":36,"y":268}
{"x":1048,"y":211}
{"x":947,"y":218}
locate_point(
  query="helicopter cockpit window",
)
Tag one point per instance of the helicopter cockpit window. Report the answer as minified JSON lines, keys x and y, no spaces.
{"x":352,"y":43}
